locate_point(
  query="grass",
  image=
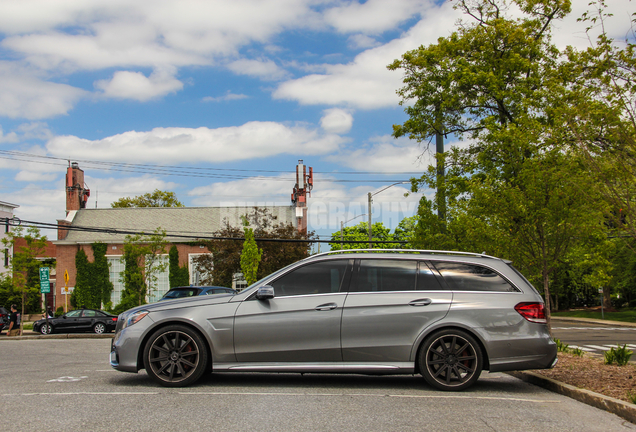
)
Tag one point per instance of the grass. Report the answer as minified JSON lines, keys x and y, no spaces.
{"x":624,"y":315}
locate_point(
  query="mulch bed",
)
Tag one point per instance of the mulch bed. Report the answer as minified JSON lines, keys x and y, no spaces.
{"x":591,"y":373}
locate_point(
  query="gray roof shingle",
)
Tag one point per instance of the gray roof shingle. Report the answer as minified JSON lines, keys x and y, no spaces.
{"x":186,"y":221}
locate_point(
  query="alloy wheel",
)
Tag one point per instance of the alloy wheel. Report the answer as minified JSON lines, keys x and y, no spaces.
{"x":174,"y":357}
{"x":452,"y":361}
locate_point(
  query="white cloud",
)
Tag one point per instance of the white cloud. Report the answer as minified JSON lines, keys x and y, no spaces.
{"x":25,"y":95}
{"x":386,"y":154}
{"x":11,"y":137}
{"x":249,"y":141}
{"x":366,"y":83}
{"x":336,"y":120}
{"x":104,"y":191}
{"x":119,"y":33}
{"x":228,"y":96}
{"x":30,"y":176}
{"x":360,"y":41}
{"x":135,"y":85}
{"x":373,"y":16}
{"x":250,"y":191}
{"x":263,"y":69}
{"x":332,"y":203}
{"x":27,"y":131}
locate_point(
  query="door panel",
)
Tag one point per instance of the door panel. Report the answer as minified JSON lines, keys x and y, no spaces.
{"x":392,"y":305}
{"x":302,"y":322}
{"x":383,"y":326}
{"x":289,"y":329}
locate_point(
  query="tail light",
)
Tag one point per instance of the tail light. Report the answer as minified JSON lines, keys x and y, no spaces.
{"x":533,"y":312}
{"x":115,"y":319}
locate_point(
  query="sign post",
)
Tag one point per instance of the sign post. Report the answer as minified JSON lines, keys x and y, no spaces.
{"x":65,"y":290}
{"x":45,"y":288}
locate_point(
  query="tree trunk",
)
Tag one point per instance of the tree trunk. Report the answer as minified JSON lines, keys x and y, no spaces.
{"x":607,"y":298}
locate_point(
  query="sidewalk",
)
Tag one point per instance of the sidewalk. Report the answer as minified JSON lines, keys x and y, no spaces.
{"x":592,"y":321}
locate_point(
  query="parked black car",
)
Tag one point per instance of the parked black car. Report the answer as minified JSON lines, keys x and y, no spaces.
{"x":79,"y":320}
{"x":191,"y":291}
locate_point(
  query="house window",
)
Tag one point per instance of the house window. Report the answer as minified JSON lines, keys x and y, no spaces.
{"x":115,"y":268}
{"x":238,"y":282}
{"x":196,"y":275}
{"x":161,"y":284}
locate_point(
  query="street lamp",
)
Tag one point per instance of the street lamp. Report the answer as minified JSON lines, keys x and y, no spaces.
{"x":370,"y":201}
{"x":342,"y":226}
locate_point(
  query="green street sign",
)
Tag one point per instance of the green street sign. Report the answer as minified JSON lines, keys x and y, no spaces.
{"x":45,"y":284}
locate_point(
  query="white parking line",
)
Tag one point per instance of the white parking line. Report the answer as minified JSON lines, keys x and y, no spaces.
{"x":269,"y":394}
{"x":602,"y":348}
{"x":582,"y":348}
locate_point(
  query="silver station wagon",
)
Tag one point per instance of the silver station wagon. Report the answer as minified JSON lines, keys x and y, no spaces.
{"x":444,"y":315}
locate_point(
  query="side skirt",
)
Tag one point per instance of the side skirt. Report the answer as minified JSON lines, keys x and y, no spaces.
{"x":406,"y":368}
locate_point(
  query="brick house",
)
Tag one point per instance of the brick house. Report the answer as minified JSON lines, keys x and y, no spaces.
{"x":6,"y":213}
{"x":186,"y":221}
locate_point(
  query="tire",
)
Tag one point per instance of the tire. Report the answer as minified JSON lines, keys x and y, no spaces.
{"x":450,"y":360}
{"x":99,"y":328}
{"x":46,"y":330}
{"x":175,"y":356}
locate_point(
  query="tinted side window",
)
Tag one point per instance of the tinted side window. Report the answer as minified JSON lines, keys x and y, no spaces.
{"x":318,"y":278}
{"x":88,"y":313}
{"x":470,"y":277}
{"x":74,"y":313}
{"x":426,"y":280}
{"x":386,"y":275}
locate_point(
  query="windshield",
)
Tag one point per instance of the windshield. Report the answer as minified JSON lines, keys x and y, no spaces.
{"x":181,"y":293}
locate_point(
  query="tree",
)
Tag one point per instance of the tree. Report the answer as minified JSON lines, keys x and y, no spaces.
{"x":143,"y":262}
{"x":25,"y":267}
{"x":219,"y":267}
{"x":360,"y":232}
{"x":157,"y":198}
{"x":516,"y":190}
{"x":251,"y":255}
{"x":178,"y":276}
{"x":93,"y":287}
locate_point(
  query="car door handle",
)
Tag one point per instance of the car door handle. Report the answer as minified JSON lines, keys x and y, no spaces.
{"x":326,"y":306}
{"x":421,"y":302}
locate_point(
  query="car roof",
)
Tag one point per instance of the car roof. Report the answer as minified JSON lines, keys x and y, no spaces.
{"x":408,"y":254}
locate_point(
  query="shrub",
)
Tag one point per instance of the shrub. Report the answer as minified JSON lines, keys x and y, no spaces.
{"x":59,"y":312}
{"x":619,"y":355}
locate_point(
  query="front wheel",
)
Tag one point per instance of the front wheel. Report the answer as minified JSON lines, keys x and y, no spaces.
{"x":450,"y":360}
{"x":99,"y":328}
{"x":46,"y":329}
{"x":175,"y":356}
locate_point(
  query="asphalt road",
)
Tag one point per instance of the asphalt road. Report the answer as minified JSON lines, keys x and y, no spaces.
{"x":67,"y":385}
{"x":594,"y":337}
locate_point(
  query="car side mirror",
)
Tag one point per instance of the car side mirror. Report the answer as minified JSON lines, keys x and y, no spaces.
{"x":64,"y":316}
{"x":265,"y":292}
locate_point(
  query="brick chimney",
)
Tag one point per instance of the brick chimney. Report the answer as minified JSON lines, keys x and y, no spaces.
{"x":76,"y":192}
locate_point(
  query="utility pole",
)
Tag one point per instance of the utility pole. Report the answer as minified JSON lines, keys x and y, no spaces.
{"x":441,"y":190}
{"x":370,"y":237}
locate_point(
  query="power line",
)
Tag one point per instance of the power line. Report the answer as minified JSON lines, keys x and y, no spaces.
{"x":201,"y":236}
{"x":183,"y":170}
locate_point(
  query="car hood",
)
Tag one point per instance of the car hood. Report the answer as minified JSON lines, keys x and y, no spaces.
{"x":181,"y":303}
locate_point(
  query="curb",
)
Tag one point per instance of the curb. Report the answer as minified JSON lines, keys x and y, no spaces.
{"x":60,"y":336}
{"x":615,"y":406}
{"x":592,"y":321}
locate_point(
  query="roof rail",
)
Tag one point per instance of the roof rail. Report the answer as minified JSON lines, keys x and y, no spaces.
{"x":421,"y":251}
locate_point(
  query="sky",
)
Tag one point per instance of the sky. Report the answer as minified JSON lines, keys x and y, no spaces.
{"x":217,"y":101}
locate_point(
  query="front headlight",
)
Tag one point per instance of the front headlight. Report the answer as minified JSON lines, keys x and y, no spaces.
{"x":134,"y":318}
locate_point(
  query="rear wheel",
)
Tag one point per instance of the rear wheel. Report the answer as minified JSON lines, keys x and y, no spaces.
{"x":450,"y":360}
{"x":175,"y":356}
{"x":99,"y":328}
